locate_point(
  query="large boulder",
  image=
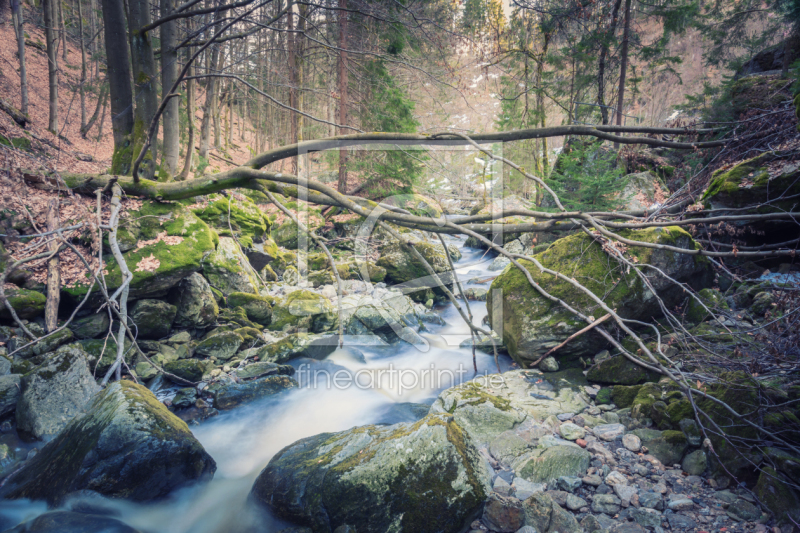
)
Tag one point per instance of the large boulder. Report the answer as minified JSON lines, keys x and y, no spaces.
{"x":531,"y":324}
{"x":171,"y":244}
{"x":229,"y":394}
{"x":54,"y":393}
{"x":26,"y":303}
{"x":127,"y":445}
{"x":304,"y":309}
{"x":642,"y":191}
{"x":619,"y":370}
{"x":197,"y":307}
{"x":235,"y":213}
{"x":384,"y":313}
{"x":153,"y":318}
{"x":424,"y":477}
{"x":9,"y":393}
{"x":409,"y":275}
{"x":222,"y":345}
{"x":228,"y":270}
{"x":91,"y":326}
{"x":295,"y":345}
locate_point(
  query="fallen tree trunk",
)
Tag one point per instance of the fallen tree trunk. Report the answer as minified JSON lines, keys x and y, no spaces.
{"x":16,"y":115}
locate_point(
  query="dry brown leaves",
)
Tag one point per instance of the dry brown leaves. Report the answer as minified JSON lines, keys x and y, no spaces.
{"x":161,"y":237}
{"x":148,"y":264}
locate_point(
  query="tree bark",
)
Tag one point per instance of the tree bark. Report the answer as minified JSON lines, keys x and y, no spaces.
{"x":290,"y":45}
{"x":101,"y":103}
{"x":208,"y":106}
{"x":623,"y":64}
{"x":16,"y":15}
{"x":144,"y":83}
{"x":62,"y":30}
{"x":342,"y":185}
{"x":53,"y":273}
{"x":119,"y":81}
{"x":187,"y":165}
{"x":601,"y":66}
{"x":169,"y":73}
{"x":83,"y":65}
{"x":51,"y":38}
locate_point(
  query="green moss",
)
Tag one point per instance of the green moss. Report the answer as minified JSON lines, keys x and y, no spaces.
{"x":623,"y":395}
{"x":248,"y":222}
{"x":474,"y":393}
{"x":26,"y":303}
{"x":749,"y":183}
{"x":121,"y":158}
{"x":646,"y":397}
{"x":713,"y":300}
{"x":678,"y":410}
{"x":258,"y":308}
{"x":676,"y":438}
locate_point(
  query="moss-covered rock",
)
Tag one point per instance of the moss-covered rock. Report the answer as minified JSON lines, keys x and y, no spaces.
{"x":153,"y":318}
{"x":257,"y":308}
{"x":101,"y":353}
{"x":422,"y":477}
{"x":9,"y":393}
{"x":318,"y":278}
{"x":645,"y":399}
{"x":762,"y":303}
{"x":531,"y":324}
{"x":402,"y":268}
{"x":196,"y":305}
{"x":619,"y":370}
{"x":304,"y":309}
{"x":296,"y":345}
{"x":238,"y":213}
{"x":777,"y":495}
{"x":222,"y":345}
{"x":416,"y":204}
{"x":189,"y":369}
{"x":382,"y":316}
{"x":229,"y":394}
{"x":286,"y":235}
{"x":666,"y":446}
{"x":26,"y":303}
{"x":91,"y":326}
{"x":172,"y":245}
{"x":546,"y":465}
{"x":228,"y":270}
{"x":127,"y":445}
{"x":54,"y":392}
{"x":623,"y":396}
{"x":711,"y":299}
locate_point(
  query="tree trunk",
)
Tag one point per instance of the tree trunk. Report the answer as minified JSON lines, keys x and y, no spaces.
{"x":187,"y":165}
{"x":101,"y":103}
{"x":144,"y":83}
{"x":290,"y":45}
{"x":119,"y":81}
{"x":83,"y":65}
{"x":623,"y":64}
{"x":601,"y":66}
{"x":342,"y":185}
{"x":169,"y":73}
{"x":208,"y":106}
{"x":16,"y":15}
{"x":53,"y":273}
{"x":62,"y":30}
{"x":51,"y":37}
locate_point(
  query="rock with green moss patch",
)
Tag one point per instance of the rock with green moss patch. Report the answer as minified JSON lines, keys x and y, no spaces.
{"x":604,"y":397}
{"x":228,"y":269}
{"x":222,"y":345}
{"x":304,"y":309}
{"x":46,"y":345}
{"x":695,"y":463}
{"x":127,"y":445}
{"x":263,"y":368}
{"x":532,"y":325}
{"x":229,"y":394}
{"x":9,"y":393}
{"x":618,"y":370}
{"x":286,"y":235}
{"x":153,"y":318}
{"x":712,"y":300}
{"x":423,"y":477}
{"x":544,"y":515}
{"x":318,"y":278}
{"x":296,"y":345}
{"x":90,"y":326}
{"x":403,"y":268}
{"x":172,"y":245}
{"x":776,"y":493}
{"x":762,"y":303}
{"x":257,"y":308}
{"x":145,"y":370}
{"x":416,"y":204}
{"x":666,"y":446}
{"x":54,"y":392}
{"x":361,"y":270}
{"x":189,"y":369}
{"x":26,"y":303}
{"x":546,"y":465}
{"x":645,"y":399}
{"x":101,"y":354}
{"x":197,"y":307}
{"x":238,"y":213}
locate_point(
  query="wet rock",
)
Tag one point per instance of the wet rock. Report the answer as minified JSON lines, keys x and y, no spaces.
{"x":257,"y":308}
{"x":549,"y":364}
{"x":221,"y":345}
{"x":191,"y":370}
{"x":196,"y":305}
{"x":608,"y":432}
{"x":546,"y":516}
{"x":695,"y":463}
{"x":606,"y":503}
{"x":374,"y":478}
{"x":504,"y":515}
{"x":54,"y":392}
{"x":228,"y":394}
{"x":127,"y":445}
{"x":153,"y":318}
{"x":72,"y":522}
{"x":403,"y":268}
{"x":263,"y":368}
{"x":546,"y":466}
{"x":304,"y":309}
{"x":89,"y":327}
{"x":9,"y":393}
{"x":571,"y":431}
{"x":296,"y":345}
{"x":185,"y":397}
{"x":569,"y":483}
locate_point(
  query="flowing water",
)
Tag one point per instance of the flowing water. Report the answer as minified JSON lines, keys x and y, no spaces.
{"x":386,"y":385}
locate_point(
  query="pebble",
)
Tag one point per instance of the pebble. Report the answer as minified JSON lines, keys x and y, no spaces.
{"x":574,"y":503}
{"x":625,"y":492}
{"x":615,"y":478}
{"x":632,"y":442}
{"x":606,"y":503}
{"x":592,"y":479}
{"x":569,"y":483}
{"x":581,"y":442}
{"x":571,"y":431}
{"x":609,"y":432}
{"x":682,"y":504}
{"x":565,"y":416}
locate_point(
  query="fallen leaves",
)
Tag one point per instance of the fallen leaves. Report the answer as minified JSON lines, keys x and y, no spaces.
{"x":148,"y":264}
{"x":161,"y":237}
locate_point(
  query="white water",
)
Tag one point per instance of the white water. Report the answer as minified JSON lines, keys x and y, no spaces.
{"x":243,"y":440}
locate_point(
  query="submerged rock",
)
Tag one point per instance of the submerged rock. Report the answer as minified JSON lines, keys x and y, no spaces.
{"x":127,"y":445}
{"x":422,"y":477}
{"x":54,"y":392}
{"x":531,"y":325}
